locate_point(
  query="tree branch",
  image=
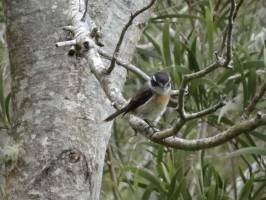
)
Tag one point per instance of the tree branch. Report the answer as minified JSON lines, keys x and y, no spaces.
{"x":233,"y":14}
{"x":167,"y":137}
{"x":203,"y":143}
{"x":255,"y":100}
{"x":127,"y":66}
{"x":112,"y":172}
{"x":136,"y":70}
{"x":207,"y":111}
{"x":124,"y":30}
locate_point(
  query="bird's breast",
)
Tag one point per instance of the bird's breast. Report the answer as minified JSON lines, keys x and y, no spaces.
{"x":154,"y":107}
{"x":162,"y":99}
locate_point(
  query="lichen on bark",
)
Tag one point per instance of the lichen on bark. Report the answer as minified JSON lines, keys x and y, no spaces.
{"x":57,"y":101}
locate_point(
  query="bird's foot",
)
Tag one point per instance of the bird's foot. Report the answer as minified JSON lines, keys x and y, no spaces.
{"x":151,"y":125}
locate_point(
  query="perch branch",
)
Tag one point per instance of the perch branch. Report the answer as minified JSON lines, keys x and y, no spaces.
{"x":229,"y":33}
{"x":136,"y":70}
{"x":233,"y":15}
{"x":66,"y":43}
{"x":255,"y":100}
{"x":220,"y":62}
{"x":207,"y":111}
{"x":124,"y":30}
{"x":127,"y":66}
{"x":170,"y":135}
{"x":203,"y":143}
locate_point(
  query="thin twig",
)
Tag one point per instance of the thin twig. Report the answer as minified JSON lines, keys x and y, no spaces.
{"x":66,"y":43}
{"x":136,"y":70}
{"x":189,"y":77}
{"x":85,"y":11}
{"x":255,"y":100}
{"x":203,"y":143}
{"x":124,"y":30}
{"x":221,"y":62}
{"x":233,"y":15}
{"x":112,"y":172}
{"x":99,"y":70}
{"x":217,"y":5}
{"x":205,"y":112}
{"x":229,"y":33}
{"x":128,"y":66}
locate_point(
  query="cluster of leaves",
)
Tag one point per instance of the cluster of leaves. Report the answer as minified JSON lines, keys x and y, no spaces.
{"x":5,"y":119}
{"x":5,"y":97}
{"x":181,"y":39}
{"x":2,"y":18}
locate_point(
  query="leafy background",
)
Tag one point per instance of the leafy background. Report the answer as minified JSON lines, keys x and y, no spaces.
{"x":182,"y":37}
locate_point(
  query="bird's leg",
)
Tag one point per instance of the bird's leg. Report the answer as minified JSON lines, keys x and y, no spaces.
{"x":151,"y":125}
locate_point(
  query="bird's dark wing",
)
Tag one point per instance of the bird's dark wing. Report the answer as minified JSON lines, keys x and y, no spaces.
{"x":141,"y":97}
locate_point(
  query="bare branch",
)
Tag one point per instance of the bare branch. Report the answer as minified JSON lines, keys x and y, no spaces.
{"x":203,"y":143}
{"x":166,"y":137}
{"x":66,"y":43}
{"x":85,"y":11}
{"x":205,"y":112}
{"x":186,"y":117}
{"x":233,"y":14}
{"x":128,"y":66}
{"x":112,"y":172}
{"x":221,"y":62}
{"x":124,"y":30}
{"x":189,"y":77}
{"x":136,"y":70}
{"x":229,"y":33}
{"x":255,"y":100}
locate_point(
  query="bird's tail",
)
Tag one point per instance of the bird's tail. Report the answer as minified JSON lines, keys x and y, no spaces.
{"x":114,"y":115}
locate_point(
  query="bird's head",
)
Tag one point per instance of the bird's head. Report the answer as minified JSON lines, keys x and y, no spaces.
{"x":160,"y":83}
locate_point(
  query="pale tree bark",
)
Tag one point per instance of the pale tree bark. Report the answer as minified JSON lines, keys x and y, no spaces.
{"x":58,"y":104}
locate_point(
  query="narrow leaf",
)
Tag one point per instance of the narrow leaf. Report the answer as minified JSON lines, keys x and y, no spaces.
{"x":166,"y":44}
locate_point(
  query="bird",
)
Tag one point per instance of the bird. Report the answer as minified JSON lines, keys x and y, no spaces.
{"x":150,"y":101}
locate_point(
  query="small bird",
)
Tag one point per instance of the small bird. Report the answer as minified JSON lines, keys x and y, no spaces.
{"x":150,"y":101}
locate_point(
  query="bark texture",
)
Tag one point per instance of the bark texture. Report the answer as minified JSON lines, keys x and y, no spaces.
{"x":59,"y":106}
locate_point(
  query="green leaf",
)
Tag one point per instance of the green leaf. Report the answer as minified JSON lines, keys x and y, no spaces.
{"x":246,"y":151}
{"x":153,"y":41}
{"x":149,"y":176}
{"x":165,"y":173}
{"x":212,"y":192}
{"x":246,"y":190}
{"x":251,"y":83}
{"x":154,"y":19}
{"x":260,"y":190}
{"x":260,"y":136}
{"x":210,"y":30}
{"x":2,"y":97}
{"x":160,"y":152}
{"x":166,"y":45}
{"x":247,"y":65}
{"x":192,"y":60}
{"x":253,"y":64}
{"x":147,"y":193}
{"x":177,"y":186}
{"x":209,"y":82}
{"x":178,"y":52}
{"x":240,"y":69}
{"x":7,"y":102}
{"x":264,"y":53}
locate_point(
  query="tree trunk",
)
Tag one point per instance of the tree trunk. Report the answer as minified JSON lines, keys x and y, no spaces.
{"x":58,"y":105}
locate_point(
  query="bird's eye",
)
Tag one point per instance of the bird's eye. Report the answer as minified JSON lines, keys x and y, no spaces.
{"x":154,"y":83}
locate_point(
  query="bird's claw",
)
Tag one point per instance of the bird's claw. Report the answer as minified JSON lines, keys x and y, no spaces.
{"x":152,"y":126}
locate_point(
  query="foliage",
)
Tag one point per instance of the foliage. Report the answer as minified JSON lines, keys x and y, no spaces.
{"x":180,"y":39}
